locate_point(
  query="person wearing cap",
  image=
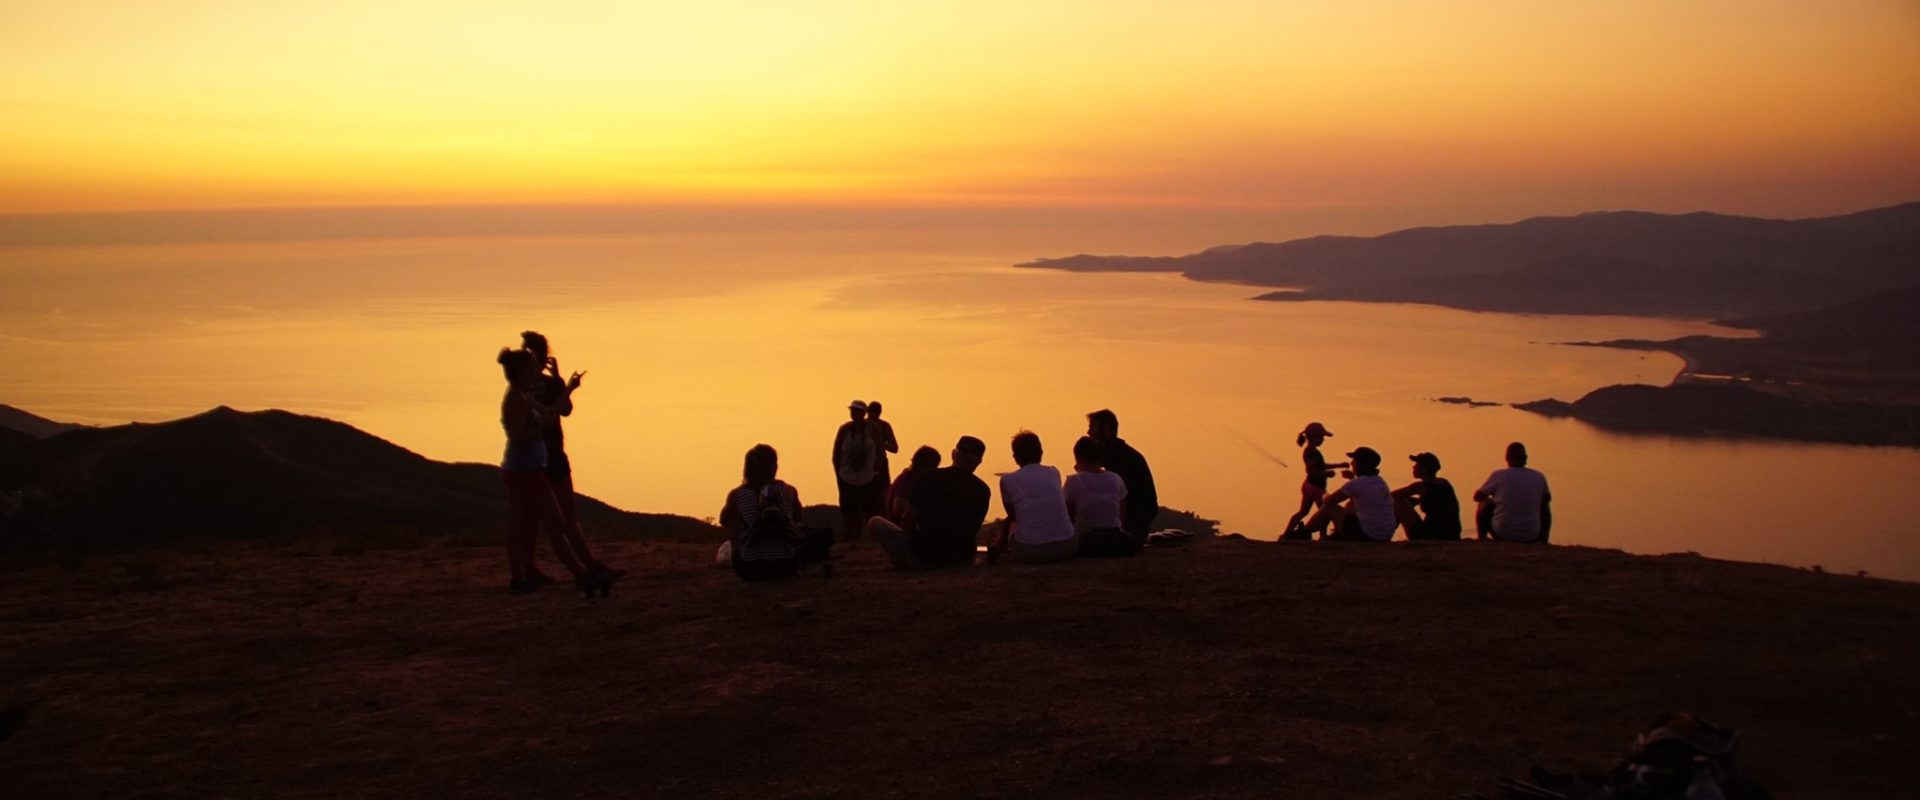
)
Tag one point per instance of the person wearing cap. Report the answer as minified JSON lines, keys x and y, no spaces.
{"x":1314,"y":489}
{"x":856,"y":448}
{"x":945,"y":509}
{"x":1515,"y":505}
{"x":1143,"y":501}
{"x":1428,"y":509}
{"x":1361,"y":510}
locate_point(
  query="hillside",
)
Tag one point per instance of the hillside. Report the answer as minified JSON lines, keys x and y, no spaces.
{"x":18,"y":421}
{"x":227,"y":474}
{"x":1226,"y":669}
{"x":1697,"y":264}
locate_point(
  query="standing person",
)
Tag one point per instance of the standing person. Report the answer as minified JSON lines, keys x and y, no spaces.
{"x":763,"y":513}
{"x":555,"y":393}
{"x":856,"y":457}
{"x":1038,"y":529}
{"x":894,"y":505}
{"x":1143,"y":502}
{"x":1431,"y":494}
{"x":530,"y":500}
{"x":1515,"y":505}
{"x":883,"y":436}
{"x":1096,"y":500}
{"x":1361,"y":510}
{"x":945,"y":509}
{"x":1313,"y":490}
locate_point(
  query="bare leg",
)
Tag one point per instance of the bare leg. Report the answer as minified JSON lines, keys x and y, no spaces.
{"x":1317,"y":524}
{"x":1408,"y":518}
{"x":570,"y":523}
{"x":1307,"y":505}
{"x":1483,"y":519}
{"x":892,"y":540}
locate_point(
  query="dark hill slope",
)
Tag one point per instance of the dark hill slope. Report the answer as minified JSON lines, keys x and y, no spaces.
{"x":226,"y":474}
{"x":39,"y":427}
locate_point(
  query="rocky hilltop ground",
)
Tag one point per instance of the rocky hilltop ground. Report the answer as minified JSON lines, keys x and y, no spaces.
{"x":1222,"y":669}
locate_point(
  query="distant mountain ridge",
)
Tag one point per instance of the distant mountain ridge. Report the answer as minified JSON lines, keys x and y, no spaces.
{"x":227,"y":474}
{"x":34,"y":425}
{"x":1611,"y":262}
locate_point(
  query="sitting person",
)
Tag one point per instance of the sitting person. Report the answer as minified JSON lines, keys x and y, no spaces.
{"x":764,"y":514}
{"x":1515,"y":505}
{"x":894,"y":505}
{"x":1096,"y":501}
{"x":1361,"y":510}
{"x":1428,"y":509}
{"x":1038,"y":529}
{"x":944,"y":510}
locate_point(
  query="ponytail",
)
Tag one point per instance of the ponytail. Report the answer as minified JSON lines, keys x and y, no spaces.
{"x":1301,"y":439}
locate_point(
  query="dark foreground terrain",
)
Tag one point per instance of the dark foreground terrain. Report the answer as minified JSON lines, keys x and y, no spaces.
{"x":1223,"y":669}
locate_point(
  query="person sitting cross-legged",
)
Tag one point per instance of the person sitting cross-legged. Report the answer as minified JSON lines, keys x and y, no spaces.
{"x":1096,"y":500}
{"x":943,"y":512}
{"x":1430,"y":494}
{"x":1038,"y":529}
{"x":1361,"y":510}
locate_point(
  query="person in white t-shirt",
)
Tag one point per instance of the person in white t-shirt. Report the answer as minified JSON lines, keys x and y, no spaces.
{"x":1096,"y":500}
{"x":1515,"y":505}
{"x":1361,"y":510}
{"x":1038,"y":528}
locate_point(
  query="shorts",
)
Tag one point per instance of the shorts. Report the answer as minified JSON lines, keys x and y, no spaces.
{"x":1313,"y":491}
{"x":864,"y":497}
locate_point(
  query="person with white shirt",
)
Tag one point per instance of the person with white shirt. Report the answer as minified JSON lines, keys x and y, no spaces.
{"x":1038,"y":527}
{"x":1515,"y":504}
{"x":1096,"y":500}
{"x":1361,"y":510}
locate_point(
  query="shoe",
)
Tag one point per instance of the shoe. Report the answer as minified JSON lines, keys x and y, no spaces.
{"x":523,"y":586}
{"x":593,"y":586}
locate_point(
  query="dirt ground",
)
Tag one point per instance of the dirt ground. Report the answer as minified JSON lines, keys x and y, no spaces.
{"x":1222,"y":669}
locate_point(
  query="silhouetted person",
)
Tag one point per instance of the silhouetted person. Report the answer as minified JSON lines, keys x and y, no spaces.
{"x":883,"y":435}
{"x":557,"y":393}
{"x":1428,"y":508}
{"x":1313,"y":490}
{"x":894,"y":506}
{"x":1515,"y":505}
{"x":1096,"y":500}
{"x":945,"y":509}
{"x":1361,"y":510}
{"x":856,"y":466}
{"x":1038,"y":529}
{"x":1143,"y":502}
{"x":763,"y":514}
{"x":530,"y":500}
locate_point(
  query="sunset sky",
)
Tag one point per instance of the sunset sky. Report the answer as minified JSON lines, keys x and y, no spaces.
{"x":1756,"y":106}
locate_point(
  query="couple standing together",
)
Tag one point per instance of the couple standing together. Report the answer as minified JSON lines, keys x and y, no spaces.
{"x":538,"y":475}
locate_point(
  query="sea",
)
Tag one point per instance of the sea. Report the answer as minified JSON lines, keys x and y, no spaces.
{"x":700,"y":342}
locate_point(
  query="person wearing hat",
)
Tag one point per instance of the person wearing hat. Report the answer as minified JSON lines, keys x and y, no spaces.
{"x":1428,"y":509}
{"x":945,"y":509}
{"x":1515,"y":505}
{"x":1314,"y":489}
{"x":856,"y":448}
{"x":1361,"y":510}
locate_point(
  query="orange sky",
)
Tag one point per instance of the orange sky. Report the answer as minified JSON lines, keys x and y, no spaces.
{"x":1756,"y":105}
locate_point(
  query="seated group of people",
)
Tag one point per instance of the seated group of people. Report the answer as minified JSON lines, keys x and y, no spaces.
{"x":1514,"y":503}
{"x":930,"y":517}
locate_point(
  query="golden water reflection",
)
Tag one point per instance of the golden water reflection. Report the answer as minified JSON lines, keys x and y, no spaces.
{"x":698,"y":347}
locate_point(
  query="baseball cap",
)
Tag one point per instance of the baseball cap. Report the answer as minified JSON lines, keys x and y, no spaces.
{"x":971,"y":446}
{"x":1427,"y":460}
{"x":1315,"y":427}
{"x":857,"y":405}
{"x":1365,"y":455}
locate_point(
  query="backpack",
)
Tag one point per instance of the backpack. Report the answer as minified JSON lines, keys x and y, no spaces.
{"x":773,"y":536}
